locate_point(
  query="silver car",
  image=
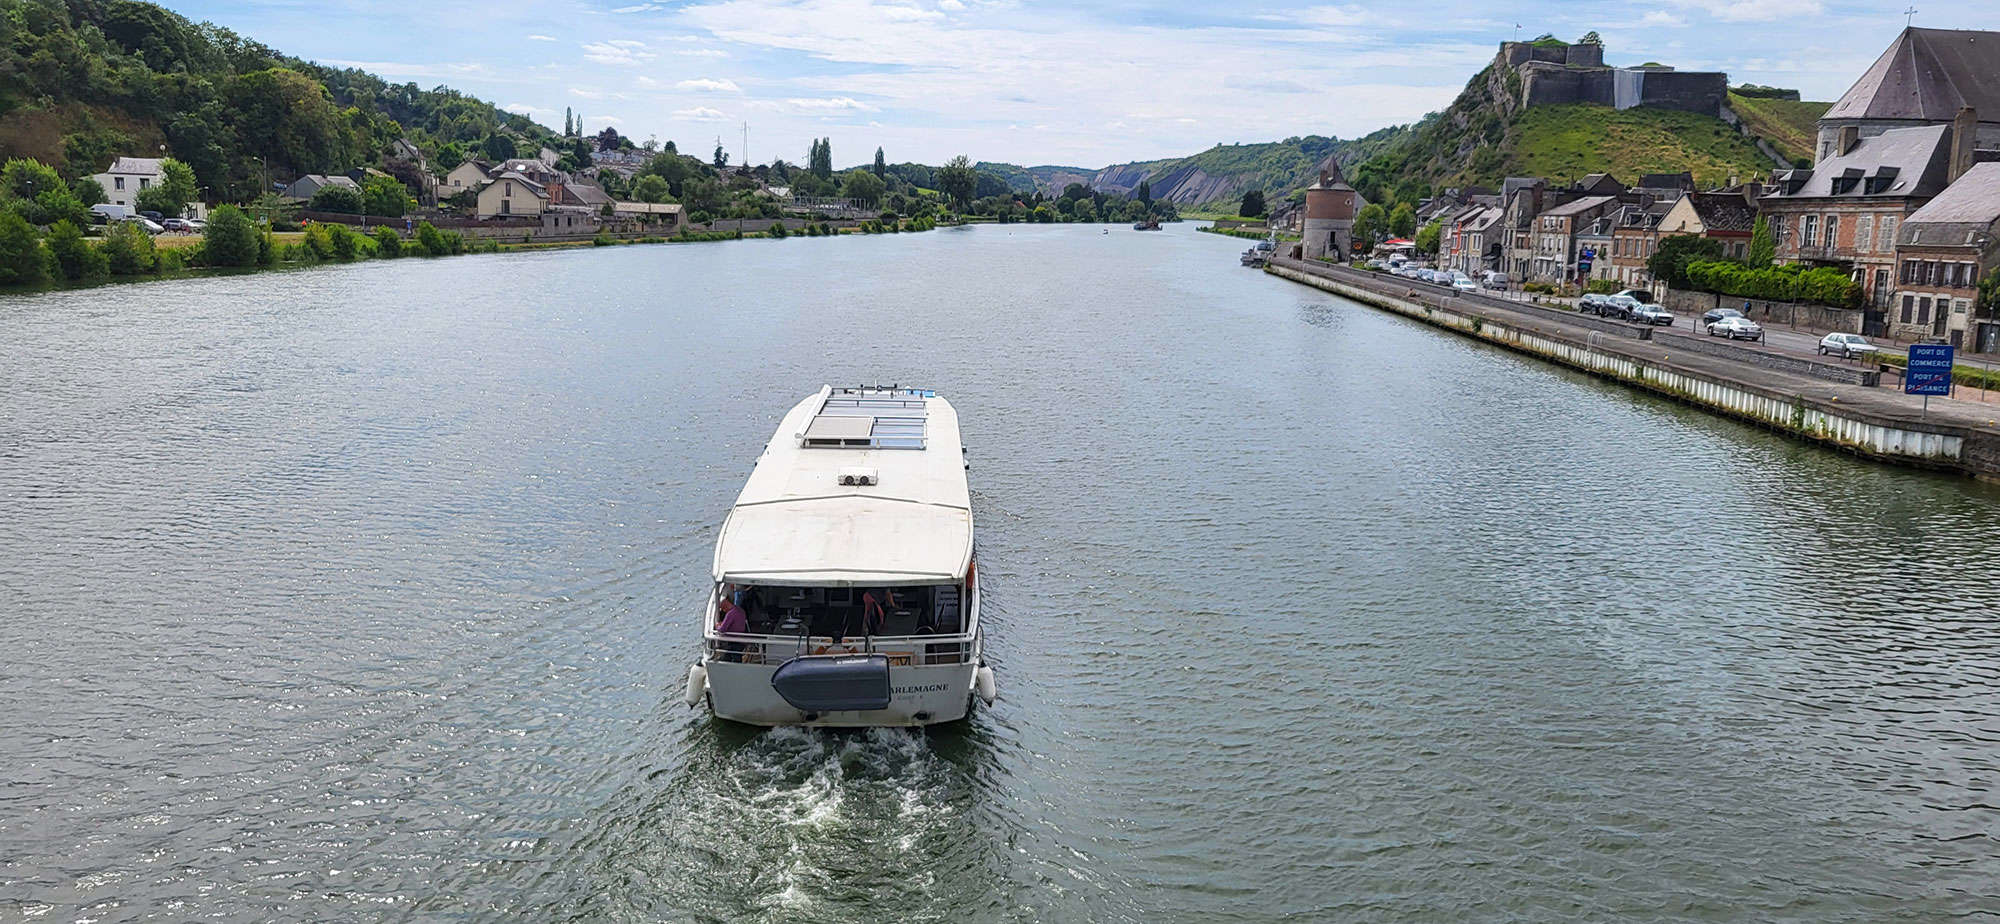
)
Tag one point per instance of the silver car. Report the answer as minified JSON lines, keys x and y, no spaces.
{"x":1846,"y":346}
{"x":1736,"y":327}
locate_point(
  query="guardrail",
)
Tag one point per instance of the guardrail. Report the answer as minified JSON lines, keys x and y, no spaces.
{"x":916,"y":650}
{"x":1776,"y":362}
{"x":1445,"y":296}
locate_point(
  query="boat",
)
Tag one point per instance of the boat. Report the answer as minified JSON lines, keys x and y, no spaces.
{"x":849,"y":551}
{"x":1259,"y":254}
{"x":1148,"y":224}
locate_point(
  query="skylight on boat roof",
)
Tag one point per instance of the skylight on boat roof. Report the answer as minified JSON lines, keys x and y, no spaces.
{"x":869,"y":418}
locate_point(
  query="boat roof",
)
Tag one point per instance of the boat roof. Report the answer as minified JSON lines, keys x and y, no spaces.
{"x":858,"y":487}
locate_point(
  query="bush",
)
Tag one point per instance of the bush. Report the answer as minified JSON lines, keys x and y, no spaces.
{"x":318,"y":241}
{"x":1823,"y":285}
{"x":344,"y":242}
{"x":128,"y":249}
{"x":388,"y":244}
{"x":431,"y":241}
{"x":232,"y":240}
{"x":602,"y":239}
{"x":21,"y":260}
{"x":778,"y":230}
{"x":267,"y":250}
{"x":385,"y":196}
{"x":75,"y":258}
{"x":343,"y":199}
{"x":1603,"y":286}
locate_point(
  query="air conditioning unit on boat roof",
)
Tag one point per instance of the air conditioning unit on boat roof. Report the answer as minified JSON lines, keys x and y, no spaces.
{"x":858,"y":477}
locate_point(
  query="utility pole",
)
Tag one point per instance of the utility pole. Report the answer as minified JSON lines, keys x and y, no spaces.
{"x":746,"y":147}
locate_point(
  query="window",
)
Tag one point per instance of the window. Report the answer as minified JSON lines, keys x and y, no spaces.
{"x":1832,"y":231}
{"x":1864,"y":233}
{"x":506,"y":206}
{"x":1885,"y":234}
{"x":1907,"y":273}
{"x":118,"y":182}
{"x":1924,"y":310}
{"x":144,"y":182}
{"x":1958,"y":306}
{"x":1909,"y":307}
{"x":1809,"y":231}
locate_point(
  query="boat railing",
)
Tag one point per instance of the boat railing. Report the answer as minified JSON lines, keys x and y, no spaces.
{"x":909,"y":650}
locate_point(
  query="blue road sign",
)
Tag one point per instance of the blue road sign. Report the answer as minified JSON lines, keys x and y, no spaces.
{"x":1929,"y":372}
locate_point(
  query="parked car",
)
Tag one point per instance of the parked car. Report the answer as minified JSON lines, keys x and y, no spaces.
{"x":145,"y":224}
{"x":1641,"y":296}
{"x":177,"y":224}
{"x":1713,"y":315}
{"x":1846,"y":346}
{"x":1619,"y":306}
{"x":1650,"y":314}
{"x":1464,"y":283}
{"x":1736,"y":327}
{"x":197,"y":225}
{"x":152,"y":216}
{"x":1495,"y":280}
{"x":1591,"y":303}
{"x":105,"y":211}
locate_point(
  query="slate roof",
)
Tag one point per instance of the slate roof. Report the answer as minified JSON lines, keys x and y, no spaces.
{"x":1682,"y":180}
{"x":1723,"y":212}
{"x":1579,"y":206}
{"x":1912,"y":160}
{"x":1966,"y":207}
{"x":141,"y":165}
{"x":1926,"y":75}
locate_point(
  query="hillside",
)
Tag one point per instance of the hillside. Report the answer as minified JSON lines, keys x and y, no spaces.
{"x":1789,"y":125}
{"x":1566,"y":142}
{"x":83,"y":80}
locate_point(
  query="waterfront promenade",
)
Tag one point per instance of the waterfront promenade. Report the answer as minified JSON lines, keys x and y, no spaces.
{"x":1873,"y":420}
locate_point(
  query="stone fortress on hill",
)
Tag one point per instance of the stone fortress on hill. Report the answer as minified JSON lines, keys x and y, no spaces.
{"x":1553,"y":72}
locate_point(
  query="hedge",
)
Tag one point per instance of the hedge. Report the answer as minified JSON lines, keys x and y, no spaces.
{"x":1822,"y":284}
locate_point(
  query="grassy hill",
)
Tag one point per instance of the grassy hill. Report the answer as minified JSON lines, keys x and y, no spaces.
{"x":1789,"y":125}
{"x":1566,"y":142}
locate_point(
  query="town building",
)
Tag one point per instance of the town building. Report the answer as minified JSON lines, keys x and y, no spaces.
{"x":1845,"y":212}
{"x":1635,"y":237}
{"x":1556,"y":255}
{"x":1331,"y":205}
{"x":511,"y":193}
{"x":1943,"y":250}
{"x":668,"y":217}
{"x":1727,"y":218}
{"x":304,"y":187}
{"x":126,"y":176}
{"x":468,"y":175}
{"x":1925,"y":77}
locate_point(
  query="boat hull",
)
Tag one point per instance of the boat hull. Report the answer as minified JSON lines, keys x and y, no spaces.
{"x":919,"y":695}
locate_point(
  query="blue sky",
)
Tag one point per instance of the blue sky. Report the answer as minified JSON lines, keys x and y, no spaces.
{"x":1082,"y":83}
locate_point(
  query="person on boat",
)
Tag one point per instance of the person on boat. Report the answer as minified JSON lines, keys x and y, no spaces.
{"x":874,"y":615}
{"x":734,"y":622}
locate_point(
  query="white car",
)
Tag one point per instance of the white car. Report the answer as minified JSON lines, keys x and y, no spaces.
{"x":1846,"y":346}
{"x":1736,"y":327}
{"x":1464,"y":283}
{"x":146,"y":224}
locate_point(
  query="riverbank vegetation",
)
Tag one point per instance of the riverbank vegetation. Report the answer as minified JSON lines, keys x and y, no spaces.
{"x":1684,"y":261}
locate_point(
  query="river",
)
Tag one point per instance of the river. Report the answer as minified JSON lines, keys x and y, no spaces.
{"x":367,"y":593}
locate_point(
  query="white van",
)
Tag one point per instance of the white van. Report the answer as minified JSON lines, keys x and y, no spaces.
{"x":109,"y":212}
{"x":1495,"y":280}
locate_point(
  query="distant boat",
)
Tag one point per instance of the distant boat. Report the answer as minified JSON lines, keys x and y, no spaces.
{"x":1148,"y":224}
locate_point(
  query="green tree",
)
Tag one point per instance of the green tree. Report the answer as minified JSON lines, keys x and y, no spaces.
{"x":75,"y":258}
{"x":1763,"y":246}
{"x":1371,"y":226}
{"x":1670,"y":261}
{"x":1253,"y":204}
{"x":820,"y":159}
{"x":1989,"y":290}
{"x":1145,"y":193}
{"x":54,"y":205}
{"x":128,"y":249}
{"x":1403,"y":221}
{"x":386,"y":196}
{"x":21,"y":261}
{"x":721,"y":158}
{"x":292,"y":119}
{"x":432,"y":241}
{"x":336,"y":198}
{"x":862,"y":185}
{"x":22,"y":182}
{"x":1427,"y":237}
{"x":388,"y":244}
{"x":651,"y":188}
{"x":881,"y":166}
{"x":87,"y":191}
{"x":499,"y":146}
{"x":231,"y":239}
{"x":957,"y":180}
{"x":175,"y":190}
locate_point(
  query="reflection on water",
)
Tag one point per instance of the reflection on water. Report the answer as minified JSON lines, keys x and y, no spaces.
{"x":326,"y":603}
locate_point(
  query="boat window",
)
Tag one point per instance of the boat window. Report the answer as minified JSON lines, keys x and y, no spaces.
{"x":841,"y":611}
{"x":870,"y":418}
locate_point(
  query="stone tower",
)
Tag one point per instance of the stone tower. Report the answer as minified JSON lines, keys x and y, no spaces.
{"x":1331,"y":205}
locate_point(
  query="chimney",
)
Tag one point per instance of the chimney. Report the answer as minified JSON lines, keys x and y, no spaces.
{"x":1850,"y":135}
{"x":1964,"y":130}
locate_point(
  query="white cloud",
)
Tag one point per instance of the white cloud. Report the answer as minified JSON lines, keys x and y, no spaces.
{"x":952,"y":5}
{"x":620,"y":52}
{"x":608,"y":120}
{"x":541,"y":38}
{"x":1329,"y":16}
{"x":640,"y":8}
{"x":1755,"y":10}
{"x":700,"y":53}
{"x":1661,"y":18}
{"x":708,"y":85}
{"x":833,"y":104}
{"x":527,"y":110}
{"x":700,"y":114}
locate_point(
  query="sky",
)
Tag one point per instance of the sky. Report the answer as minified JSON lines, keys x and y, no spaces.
{"x":1082,"y":83}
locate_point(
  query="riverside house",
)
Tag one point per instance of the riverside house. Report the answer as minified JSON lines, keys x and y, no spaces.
{"x":126,"y":176}
{"x":1727,"y":218}
{"x":1845,"y":212}
{"x":1635,"y":235}
{"x":1942,"y":251}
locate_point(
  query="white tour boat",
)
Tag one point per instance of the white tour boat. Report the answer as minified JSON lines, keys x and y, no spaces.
{"x":850,"y":553}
